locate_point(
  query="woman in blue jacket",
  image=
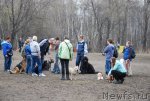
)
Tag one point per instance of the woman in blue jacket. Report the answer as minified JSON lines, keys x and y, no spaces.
{"x":28,"y":57}
{"x":7,"y":52}
{"x":127,"y":55}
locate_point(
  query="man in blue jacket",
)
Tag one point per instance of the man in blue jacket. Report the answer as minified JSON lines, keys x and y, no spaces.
{"x":7,"y":52}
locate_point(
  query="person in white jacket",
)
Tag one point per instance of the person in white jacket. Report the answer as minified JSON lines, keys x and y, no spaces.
{"x":36,"y":57}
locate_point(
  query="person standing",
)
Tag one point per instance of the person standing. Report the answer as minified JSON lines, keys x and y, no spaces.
{"x":108,"y":52}
{"x":127,"y":57}
{"x":65,"y":53}
{"x":56,"y":68}
{"x":7,"y":52}
{"x":36,"y":57}
{"x":20,"y":43}
{"x":28,"y":57}
{"x":81,"y":50}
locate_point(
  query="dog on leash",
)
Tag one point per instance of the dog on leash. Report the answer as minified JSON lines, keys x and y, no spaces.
{"x":86,"y":67}
{"x":19,"y":68}
{"x":73,"y":71}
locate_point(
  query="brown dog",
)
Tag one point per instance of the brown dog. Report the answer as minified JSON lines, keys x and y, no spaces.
{"x":19,"y":68}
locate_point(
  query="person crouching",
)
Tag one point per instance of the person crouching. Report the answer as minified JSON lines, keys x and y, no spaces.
{"x":118,"y":71}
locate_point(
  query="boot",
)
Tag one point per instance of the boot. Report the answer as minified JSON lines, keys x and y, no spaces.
{"x":63,"y":77}
{"x":67,"y":77}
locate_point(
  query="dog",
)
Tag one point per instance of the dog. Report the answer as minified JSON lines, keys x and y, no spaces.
{"x":45,"y":66}
{"x":86,"y":67}
{"x":73,"y":71}
{"x":19,"y":68}
{"x":100,"y":76}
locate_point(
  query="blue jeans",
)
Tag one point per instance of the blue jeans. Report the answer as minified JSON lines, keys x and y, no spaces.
{"x":56,"y":68}
{"x":29,"y":64}
{"x":7,"y":63}
{"x":79,"y":59}
{"x":107,"y":66}
{"x":42,"y":59}
{"x":36,"y":60}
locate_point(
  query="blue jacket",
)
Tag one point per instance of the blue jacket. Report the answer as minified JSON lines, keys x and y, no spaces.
{"x":127,"y":53}
{"x":27,"y":50}
{"x":109,"y":51}
{"x":6,"y":46}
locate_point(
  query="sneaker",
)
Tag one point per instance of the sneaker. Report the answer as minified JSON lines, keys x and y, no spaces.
{"x":41,"y":74}
{"x":34,"y":74}
{"x":53,"y":71}
{"x":68,"y":79}
{"x":117,"y":82}
{"x":62,"y":78}
{"x":8,"y":70}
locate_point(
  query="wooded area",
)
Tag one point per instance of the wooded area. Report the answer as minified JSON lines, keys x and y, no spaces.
{"x":98,"y":20}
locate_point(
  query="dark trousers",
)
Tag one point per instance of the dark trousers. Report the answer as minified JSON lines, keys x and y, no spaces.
{"x":7,"y":63}
{"x":79,"y":59}
{"x":20,"y":48}
{"x":42,"y":59}
{"x":118,"y":75}
{"x":65,"y":67}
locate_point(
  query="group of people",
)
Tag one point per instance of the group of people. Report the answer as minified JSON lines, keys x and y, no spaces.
{"x":35,"y":52}
{"x":118,"y":69}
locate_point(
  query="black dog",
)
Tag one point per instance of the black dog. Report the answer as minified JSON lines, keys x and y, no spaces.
{"x":86,"y":67}
{"x":45,"y":66}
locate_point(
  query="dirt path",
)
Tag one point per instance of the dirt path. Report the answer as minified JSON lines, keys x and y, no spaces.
{"x":86,"y":88}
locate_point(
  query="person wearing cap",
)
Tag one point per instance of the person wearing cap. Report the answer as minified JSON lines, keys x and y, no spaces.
{"x":36,"y":57}
{"x":81,"y":50}
{"x":28,"y":57}
{"x":7,"y":52}
{"x":65,"y":53}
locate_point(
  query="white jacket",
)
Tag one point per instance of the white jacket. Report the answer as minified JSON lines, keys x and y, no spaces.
{"x":35,"y":48}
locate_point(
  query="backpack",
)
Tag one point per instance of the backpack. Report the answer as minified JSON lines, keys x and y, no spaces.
{"x":115,"y":52}
{"x":132,"y":54}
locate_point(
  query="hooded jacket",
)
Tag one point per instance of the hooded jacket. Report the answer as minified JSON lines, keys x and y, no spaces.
{"x":6,"y":47}
{"x":64,"y":51}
